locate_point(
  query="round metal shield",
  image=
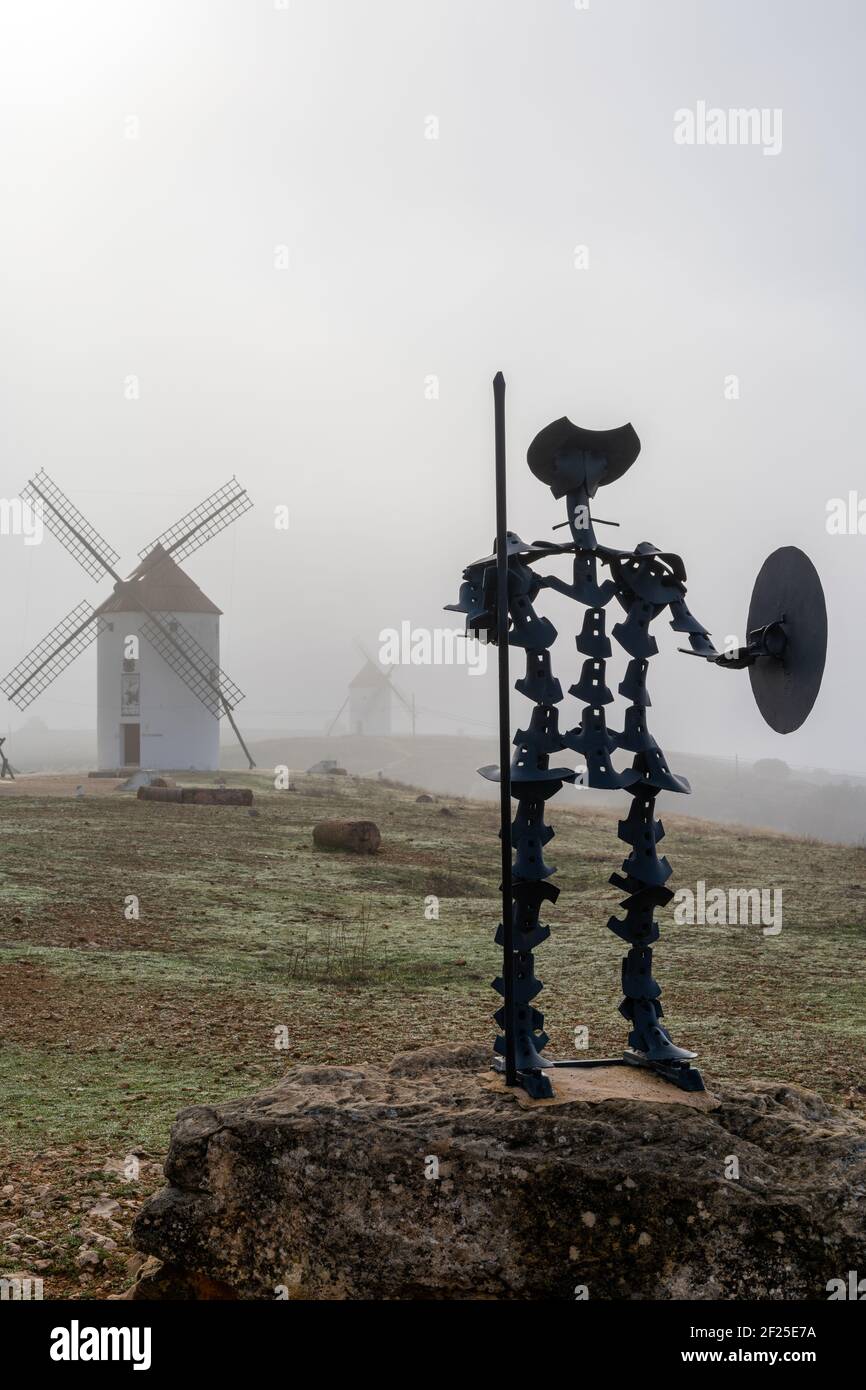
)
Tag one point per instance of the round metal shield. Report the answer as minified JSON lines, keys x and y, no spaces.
{"x":788,"y":589}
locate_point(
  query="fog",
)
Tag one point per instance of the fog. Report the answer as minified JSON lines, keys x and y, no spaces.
{"x":230,"y":246}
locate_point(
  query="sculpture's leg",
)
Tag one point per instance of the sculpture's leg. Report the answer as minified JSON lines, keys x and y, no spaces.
{"x":532,"y":783}
{"x":529,"y":890}
{"x":530,"y":1038}
{"x":644,"y":877}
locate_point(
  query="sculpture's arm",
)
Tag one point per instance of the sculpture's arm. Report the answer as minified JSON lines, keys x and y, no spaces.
{"x":683,"y":620}
{"x":768,"y":641}
{"x":477,"y":600}
{"x":647,"y":580}
{"x":700,"y":643}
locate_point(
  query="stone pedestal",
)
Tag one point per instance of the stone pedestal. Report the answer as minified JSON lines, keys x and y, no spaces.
{"x":428,"y":1180}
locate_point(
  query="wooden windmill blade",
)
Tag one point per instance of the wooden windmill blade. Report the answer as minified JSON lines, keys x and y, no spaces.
{"x":185,"y":656}
{"x":192,"y":663}
{"x":50,"y":657}
{"x":408,"y":705}
{"x":204,"y":522}
{"x":373,"y":661}
{"x":195,"y":667}
{"x":73,"y":634}
{"x":396,"y":689}
{"x":71,"y":527}
{"x":335,"y":720}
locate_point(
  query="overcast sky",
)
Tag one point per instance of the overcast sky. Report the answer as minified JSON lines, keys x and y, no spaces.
{"x":238,"y":204}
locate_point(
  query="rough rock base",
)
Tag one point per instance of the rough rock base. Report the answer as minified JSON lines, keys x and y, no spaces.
{"x":424,"y":1181}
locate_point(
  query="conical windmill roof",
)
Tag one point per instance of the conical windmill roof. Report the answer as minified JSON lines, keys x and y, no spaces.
{"x":369,"y":675}
{"x":158,"y":585}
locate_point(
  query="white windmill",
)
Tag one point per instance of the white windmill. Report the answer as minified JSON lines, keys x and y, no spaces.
{"x":369,"y":700}
{"x":160,"y":699}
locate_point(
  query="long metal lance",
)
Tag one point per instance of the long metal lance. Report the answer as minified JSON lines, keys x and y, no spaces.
{"x":504,"y":729}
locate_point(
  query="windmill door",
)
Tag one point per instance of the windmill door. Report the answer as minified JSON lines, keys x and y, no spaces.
{"x":131,"y":735}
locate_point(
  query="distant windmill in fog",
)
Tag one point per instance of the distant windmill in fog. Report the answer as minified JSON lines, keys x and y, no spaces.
{"x":370,"y":701}
{"x":159,"y":700}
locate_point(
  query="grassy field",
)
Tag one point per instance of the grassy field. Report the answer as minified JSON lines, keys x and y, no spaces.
{"x":248,"y":935}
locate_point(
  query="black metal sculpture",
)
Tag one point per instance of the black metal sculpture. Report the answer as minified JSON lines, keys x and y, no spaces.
{"x":784,"y":651}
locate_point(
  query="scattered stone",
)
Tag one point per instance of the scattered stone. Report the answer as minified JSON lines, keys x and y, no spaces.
{"x":106,"y":1206}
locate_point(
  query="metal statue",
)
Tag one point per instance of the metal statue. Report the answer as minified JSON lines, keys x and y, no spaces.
{"x":784,"y":652}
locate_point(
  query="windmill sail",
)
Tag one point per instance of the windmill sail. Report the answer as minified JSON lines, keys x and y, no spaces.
{"x":57,"y":650}
{"x":76,"y":631}
{"x":189,"y":660}
{"x":204,"y":521}
{"x":71,"y":528}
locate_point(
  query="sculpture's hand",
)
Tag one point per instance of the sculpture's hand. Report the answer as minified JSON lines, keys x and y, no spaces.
{"x":735,"y":660}
{"x":477,"y":599}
